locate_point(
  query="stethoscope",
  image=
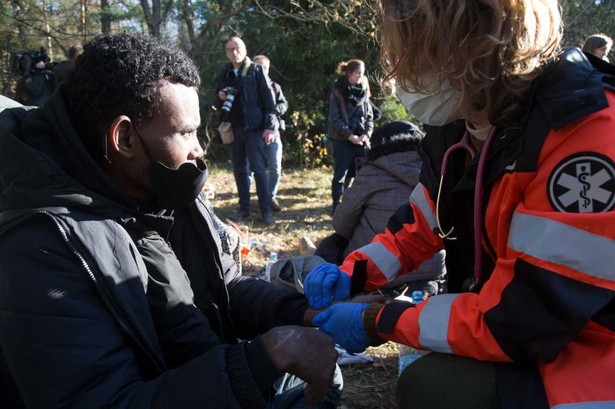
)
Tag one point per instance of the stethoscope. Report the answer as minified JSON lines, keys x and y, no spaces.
{"x":476,"y":282}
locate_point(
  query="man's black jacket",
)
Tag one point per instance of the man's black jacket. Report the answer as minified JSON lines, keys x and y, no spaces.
{"x":96,"y":303}
{"x":255,"y":101}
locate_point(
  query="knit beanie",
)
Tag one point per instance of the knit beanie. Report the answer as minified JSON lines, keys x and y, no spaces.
{"x":397,"y":136}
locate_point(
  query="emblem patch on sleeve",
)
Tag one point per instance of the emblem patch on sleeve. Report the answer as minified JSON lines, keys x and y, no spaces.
{"x":583,"y":183}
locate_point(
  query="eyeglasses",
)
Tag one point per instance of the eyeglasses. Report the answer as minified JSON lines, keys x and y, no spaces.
{"x":466,"y":144}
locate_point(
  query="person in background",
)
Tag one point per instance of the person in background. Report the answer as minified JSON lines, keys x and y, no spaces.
{"x":350,"y":122}
{"x":518,"y":185}
{"x":273,"y":150}
{"x":36,"y":86}
{"x":253,"y":119}
{"x":598,"y":45}
{"x":382,"y":184}
{"x":63,"y":68}
{"x":115,"y":290}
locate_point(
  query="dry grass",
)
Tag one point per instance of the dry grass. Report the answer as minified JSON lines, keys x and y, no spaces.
{"x":305,"y":197}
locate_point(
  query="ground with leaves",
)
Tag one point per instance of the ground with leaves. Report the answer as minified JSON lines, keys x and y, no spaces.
{"x":305,"y":198}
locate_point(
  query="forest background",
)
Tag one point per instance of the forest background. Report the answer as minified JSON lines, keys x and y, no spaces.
{"x":305,"y":40}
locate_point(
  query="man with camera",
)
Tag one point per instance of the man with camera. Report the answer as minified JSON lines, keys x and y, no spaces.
{"x":37,"y":82}
{"x":245,"y":100}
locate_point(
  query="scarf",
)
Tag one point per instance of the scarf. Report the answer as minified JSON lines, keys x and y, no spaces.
{"x":356,"y":93}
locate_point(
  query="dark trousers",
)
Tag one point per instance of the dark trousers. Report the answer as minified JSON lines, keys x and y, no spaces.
{"x":247,"y":156}
{"x":344,"y":155}
{"x":441,"y":381}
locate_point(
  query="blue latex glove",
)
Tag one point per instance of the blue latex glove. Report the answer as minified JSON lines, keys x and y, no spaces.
{"x":344,"y":323}
{"x":324,"y":284}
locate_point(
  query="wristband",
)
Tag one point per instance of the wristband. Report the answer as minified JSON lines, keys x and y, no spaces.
{"x":369,"y":323}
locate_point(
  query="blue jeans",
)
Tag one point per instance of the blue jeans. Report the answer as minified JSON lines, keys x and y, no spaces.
{"x":344,"y":154}
{"x":248,"y":155}
{"x":273,"y":154}
{"x":289,"y":393}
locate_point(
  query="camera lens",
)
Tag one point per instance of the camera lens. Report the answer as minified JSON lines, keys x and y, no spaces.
{"x":228,"y":103}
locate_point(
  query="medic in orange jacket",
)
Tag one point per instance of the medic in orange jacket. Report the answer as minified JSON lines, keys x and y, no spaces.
{"x":548,"y":243}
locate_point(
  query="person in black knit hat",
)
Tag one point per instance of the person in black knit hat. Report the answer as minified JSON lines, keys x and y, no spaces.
{"x":382,"y":184}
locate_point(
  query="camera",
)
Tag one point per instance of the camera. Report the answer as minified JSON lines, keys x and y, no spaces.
{"x":24,"y":63}
{"x":231,"y":93}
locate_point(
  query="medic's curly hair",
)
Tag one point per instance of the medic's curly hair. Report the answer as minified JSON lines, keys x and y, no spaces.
{"x":491,"y":50}
{"x":119,"y":75}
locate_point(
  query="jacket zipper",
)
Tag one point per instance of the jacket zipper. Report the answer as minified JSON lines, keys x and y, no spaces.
{"x":219,"y":267}
{"x":105,"y":301}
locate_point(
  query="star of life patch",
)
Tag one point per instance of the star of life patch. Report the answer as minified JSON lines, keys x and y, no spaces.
{"x":583,"y":183}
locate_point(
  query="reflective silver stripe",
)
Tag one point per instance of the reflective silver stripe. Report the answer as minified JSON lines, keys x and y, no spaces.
{"x":383,"y":258}
{"x":606,"y":404}
{"x":562,"y":244}
{"x":419,"y":200}
{"x":433,"y":323}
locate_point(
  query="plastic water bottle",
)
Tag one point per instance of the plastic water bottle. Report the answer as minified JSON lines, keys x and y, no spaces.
{"x":273,"y":257}
{"x":407,"y":354}
{"x":417,"y":297}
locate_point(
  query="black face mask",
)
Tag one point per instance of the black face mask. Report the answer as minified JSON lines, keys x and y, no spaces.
{"x":175,"y":188}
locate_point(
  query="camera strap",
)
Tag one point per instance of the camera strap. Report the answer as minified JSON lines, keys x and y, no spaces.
{"x":246,"y":66}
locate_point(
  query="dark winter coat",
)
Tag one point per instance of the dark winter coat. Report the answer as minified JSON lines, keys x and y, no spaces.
{"x":254,"y":106}
{"x":358,"y":118}
{"x":96,"y":290}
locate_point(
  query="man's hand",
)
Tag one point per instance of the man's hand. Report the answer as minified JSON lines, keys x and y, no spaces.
{"x":268,"y":136}
{"x":303,"y":352}
{"x":324,"y":284}
{"x":344,"y":322}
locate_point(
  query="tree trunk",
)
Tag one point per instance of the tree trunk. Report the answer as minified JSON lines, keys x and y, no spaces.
{"x":105,"y":17}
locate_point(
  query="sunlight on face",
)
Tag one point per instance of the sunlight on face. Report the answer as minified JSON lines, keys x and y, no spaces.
{"x":263,"y":64}
{"x":600,"y":52}
{"x":235,"y":51}
{"x":356,"y":76}
{"x":171,"y":134}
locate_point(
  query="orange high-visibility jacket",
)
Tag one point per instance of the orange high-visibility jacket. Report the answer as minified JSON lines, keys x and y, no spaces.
{"x":548,"y":241}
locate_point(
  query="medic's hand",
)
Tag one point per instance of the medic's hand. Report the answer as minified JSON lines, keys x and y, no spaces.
{"x":324,"y":284}
{"x":304,"y":352}
{"x":344,"y":322}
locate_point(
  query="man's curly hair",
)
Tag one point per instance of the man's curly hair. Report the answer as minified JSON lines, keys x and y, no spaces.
{"x":119,"y":75}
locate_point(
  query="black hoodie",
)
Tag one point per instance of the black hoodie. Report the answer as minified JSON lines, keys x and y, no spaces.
{"x":96,"y":289}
